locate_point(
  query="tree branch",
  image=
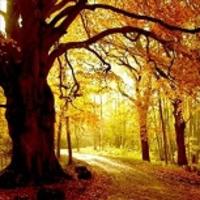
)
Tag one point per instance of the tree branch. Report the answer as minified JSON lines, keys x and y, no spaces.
{"x":3,"y":106}
{"x":108,"y":66}
{"x":63,"y":47}
{"x":63,"y":13}
{"x":142,"y":17}
{"x":67,"y":15}
{"x":133,"y":70}
{"x":76,"y":87}
{"x":3,"y":14}
{"x":125,"y":94}
{"x":60,"y":76}
{"x":58,"y":6}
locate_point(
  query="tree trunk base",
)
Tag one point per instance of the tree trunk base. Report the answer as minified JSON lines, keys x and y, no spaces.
{"x":11,"y":178}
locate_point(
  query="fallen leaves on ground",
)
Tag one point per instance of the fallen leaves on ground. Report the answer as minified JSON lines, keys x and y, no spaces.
{"x":178,"y":175}
{"x":94,"y":189}
{"x":122,"y":179}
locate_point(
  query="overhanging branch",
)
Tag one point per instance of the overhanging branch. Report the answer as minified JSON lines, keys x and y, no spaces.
{"x":3,"y":14}
{"x":59,"y":6}
{"x":67,"y":16}
{"x":76,"y":87}
{"x":106,"y":64}
{"x":3,"y":106}
{"x":123,"y":93}
{"x":63,"y":47}
{"x":142,"y":17}
{"x":63,"y":13}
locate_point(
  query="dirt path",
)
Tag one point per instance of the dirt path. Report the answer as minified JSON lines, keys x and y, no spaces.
{"x":119,"y":179}
{"x":138,"y":180}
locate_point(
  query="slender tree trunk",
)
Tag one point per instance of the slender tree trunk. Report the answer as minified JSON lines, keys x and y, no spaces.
{"x":144,"y":134}
{"x":144,"y":143}
{"x":180,"y":130}
{"x":95,"y":141}
{"x":169,"y":127}
{"x":69,"y":141}
{"x":77,"y":138}
{"x":96,"y":132}
{"x":102,"y":125}
{"x":124,"y":134}
{"x":59,"y":133}
{"x":157,"y":133}
{"x":163,"y":130}
{"x":143,"y":93}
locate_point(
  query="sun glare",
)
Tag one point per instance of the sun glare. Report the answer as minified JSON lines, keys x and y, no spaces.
{"x":2,"y":21}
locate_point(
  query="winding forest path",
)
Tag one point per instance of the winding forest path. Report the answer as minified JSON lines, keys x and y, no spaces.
{"x":118,"y":179}
{"x":136,"y":180}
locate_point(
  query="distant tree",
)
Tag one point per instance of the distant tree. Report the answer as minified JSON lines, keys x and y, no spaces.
{"x":181,"y":82}
{"x":141,"y":100}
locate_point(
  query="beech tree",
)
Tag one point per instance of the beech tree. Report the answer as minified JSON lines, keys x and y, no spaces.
{"x":142,"y":77}
{"x":34,"y":32}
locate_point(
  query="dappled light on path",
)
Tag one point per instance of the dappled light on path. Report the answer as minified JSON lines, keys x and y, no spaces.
{"x":102,"y":162}
{"x":139,"y":180}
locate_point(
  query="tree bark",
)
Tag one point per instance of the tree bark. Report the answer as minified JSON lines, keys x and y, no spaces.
{"x":31,"y":116}
{"x":144,"y":143}
{"x":142,"y":112}
{"x":157,"y":133}
{"x":59,"y":133}
{"x":30,"y":103}
{"x":180,"y":130}
{"x":77,"y":138}
{"x":163,"y":130}
{"x":69,"y":144}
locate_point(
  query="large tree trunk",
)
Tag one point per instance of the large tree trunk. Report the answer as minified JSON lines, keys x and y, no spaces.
{"x":31,"y":128}
{"x":30,"y":115}
{"x":30,"y":103}
{"x":180,"y":130}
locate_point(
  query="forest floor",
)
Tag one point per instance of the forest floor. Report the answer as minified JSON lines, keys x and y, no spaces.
{"x":137,"y":180}
{"x":121,"y":179}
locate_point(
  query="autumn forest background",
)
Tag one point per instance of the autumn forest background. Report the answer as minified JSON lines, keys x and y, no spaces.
{"x":125,"y":77}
